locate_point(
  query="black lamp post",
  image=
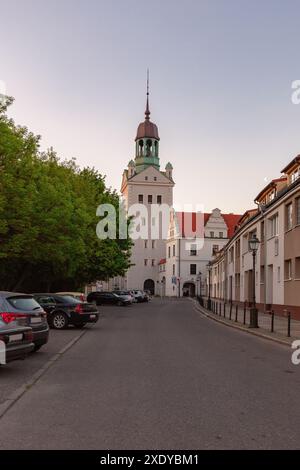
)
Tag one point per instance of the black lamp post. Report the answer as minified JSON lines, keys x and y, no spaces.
{"x":253,"y":246}
{"x":209,"y":274}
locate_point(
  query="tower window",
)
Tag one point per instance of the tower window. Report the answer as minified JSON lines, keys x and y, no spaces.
{"x":158,"y":199}
{"x":146,"y":178}
{"x":155,"y":178}
{"x":148,"y":148}
{"x":141,"y":145}
{"x":141,"y":198}
{"x":150,"y":199}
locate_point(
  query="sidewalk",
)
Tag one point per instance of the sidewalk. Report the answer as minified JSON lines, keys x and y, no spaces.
{"x":240,"y":320}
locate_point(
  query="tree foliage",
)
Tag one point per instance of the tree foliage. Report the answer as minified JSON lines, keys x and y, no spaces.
{"x":48,"y":217}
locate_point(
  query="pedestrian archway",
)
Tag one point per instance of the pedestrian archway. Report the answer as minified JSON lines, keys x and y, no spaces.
{"x":188,"y":289}
{"x":149,"y":285}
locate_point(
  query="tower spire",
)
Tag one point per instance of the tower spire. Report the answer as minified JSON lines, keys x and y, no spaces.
{"x":147,"y":112}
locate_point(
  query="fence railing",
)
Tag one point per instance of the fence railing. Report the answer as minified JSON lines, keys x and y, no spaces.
{"x":240,"y":313}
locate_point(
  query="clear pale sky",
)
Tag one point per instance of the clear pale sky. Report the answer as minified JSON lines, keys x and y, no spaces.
{"x":220,"y":86}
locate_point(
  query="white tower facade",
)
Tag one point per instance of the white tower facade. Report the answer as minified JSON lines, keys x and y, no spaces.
{"x":144,"y":183}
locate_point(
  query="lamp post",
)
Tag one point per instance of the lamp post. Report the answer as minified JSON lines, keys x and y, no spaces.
{"x":209,"y":274}
{"x":253,"y":246}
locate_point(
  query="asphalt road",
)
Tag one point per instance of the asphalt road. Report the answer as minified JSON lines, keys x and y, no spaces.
{"x":15,"y":374}
{"x":161,"y":376}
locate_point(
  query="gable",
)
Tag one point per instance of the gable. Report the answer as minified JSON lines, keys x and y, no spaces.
{"x":150,"y":172}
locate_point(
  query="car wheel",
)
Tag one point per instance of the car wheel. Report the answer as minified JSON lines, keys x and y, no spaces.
{"x":59,"y":321}
{"x":120,"y":303}
{"x":37,"y":347}
{"x":80,"y":325}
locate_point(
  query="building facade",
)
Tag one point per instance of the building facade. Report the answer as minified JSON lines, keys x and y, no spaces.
{"x":276,"y":223}
{"x":193,"y":240}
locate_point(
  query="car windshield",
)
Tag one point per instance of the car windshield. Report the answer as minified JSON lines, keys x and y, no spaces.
{"x":25,"y":303}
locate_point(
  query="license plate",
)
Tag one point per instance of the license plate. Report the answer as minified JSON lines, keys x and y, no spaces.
{"x":35,"y":320}
{"x":92,"y":317}
{"x":13,"y":338}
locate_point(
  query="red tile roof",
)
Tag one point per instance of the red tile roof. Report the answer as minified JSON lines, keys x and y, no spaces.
{"x":231,"y":221}
{"x":191,"y":224}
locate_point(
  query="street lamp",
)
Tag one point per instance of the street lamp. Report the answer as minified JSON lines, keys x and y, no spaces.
{"x":253,"y":246}
{"x":209,"y":274}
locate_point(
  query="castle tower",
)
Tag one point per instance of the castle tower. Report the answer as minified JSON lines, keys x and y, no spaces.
{"x":144,"y":183}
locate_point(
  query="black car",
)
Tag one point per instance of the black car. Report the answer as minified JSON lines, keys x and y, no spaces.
{"x":105,"y":298}
{"x":27,"y":312}
{"x":64,"y":310}
{"x":15,"y":341}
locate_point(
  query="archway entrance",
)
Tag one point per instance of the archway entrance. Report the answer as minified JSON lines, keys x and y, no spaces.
{"x":149,"y":285}
{"x":188,"y":289}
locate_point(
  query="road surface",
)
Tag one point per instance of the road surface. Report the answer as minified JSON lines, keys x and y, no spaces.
{"x":161,"y":376}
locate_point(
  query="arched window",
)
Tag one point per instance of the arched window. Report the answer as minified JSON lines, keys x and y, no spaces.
{"x":149,"y":148}
{"x":156,"y":148}
{"x":141,"y":145}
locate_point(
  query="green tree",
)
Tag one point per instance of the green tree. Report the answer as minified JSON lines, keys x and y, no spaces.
{"x":48,"y":217}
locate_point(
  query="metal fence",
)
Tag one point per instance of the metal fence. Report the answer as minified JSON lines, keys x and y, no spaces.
{"x":240,"y":313}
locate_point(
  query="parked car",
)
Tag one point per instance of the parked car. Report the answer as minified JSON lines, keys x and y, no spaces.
{"x":77,"y":295}
{"x":27,"y":312}
{"x":64,"y":310}
{"x":149,"y":294}
{"x":124,"y":293}
{"x":17,"y":339}
{"x":140,"y":296}
{"x":105,"y":298}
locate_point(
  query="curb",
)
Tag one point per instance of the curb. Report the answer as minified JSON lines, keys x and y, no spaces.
{"x":242,"y":328}
{"x":16,"y":395}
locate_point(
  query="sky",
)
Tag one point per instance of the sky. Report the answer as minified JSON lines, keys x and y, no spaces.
{"x":220,"y":87}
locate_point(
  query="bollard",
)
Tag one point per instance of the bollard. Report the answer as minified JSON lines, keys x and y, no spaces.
{"x":230,"y":311}
{"x":289,"y":324}
{"x":224,"y":310}
{"x":236,"y":313}
{"x":224,"y":307}
{"x":244,"y":319}
{"x":272,"y":321}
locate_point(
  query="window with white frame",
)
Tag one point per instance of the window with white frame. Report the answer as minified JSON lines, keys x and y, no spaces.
{"x":289,"y":216}
{"x":288,"y":269}
{"x":297,"y":203}
{"x":273,"y":226}
{"x":295,"y":175}
{"x":193,"y":250}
